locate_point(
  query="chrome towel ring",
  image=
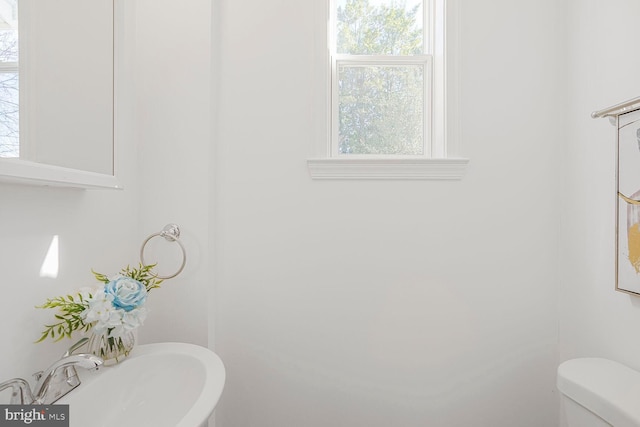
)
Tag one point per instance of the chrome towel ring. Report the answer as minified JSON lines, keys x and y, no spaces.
{"x":171,"y":232}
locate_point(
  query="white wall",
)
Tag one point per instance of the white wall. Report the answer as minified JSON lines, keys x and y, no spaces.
{"x":603,"y":68}
{"x":173,"y":75}
{"x":389,"y":303}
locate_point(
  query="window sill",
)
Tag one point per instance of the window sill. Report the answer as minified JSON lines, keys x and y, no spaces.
{"x":15,"y":171}
{"x":388,"y":169}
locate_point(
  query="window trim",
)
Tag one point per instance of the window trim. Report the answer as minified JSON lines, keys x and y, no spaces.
{"x":445,"y":163}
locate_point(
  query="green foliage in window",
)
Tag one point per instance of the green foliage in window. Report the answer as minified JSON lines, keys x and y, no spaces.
{"x":387,"y":29}
{"x":381,"y":107}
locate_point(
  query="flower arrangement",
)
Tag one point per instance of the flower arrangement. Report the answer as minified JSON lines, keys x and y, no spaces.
{"x":112,"y":309}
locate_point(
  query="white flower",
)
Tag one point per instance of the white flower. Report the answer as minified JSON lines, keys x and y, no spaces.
{"x":100,"y":307}
{"x":102,"y":312}
{"x":134,"y":318}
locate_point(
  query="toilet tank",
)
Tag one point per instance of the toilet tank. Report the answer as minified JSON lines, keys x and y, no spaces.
{"x":599,"y":392}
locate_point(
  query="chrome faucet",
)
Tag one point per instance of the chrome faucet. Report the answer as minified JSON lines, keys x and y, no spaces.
{"x":21,"y":393}
{"x":55,"y":381}
{"x":59,"y":378}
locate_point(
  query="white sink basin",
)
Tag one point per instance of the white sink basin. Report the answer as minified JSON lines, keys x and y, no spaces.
{"x":166,"y":384}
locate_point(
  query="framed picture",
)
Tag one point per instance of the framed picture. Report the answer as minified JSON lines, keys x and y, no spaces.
{"x":628,"y":206}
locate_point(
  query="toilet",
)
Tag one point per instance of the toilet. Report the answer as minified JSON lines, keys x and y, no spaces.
{"x":598,"y":393}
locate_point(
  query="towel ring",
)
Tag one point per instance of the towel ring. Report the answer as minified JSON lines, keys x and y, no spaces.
{"x":171,"y":232}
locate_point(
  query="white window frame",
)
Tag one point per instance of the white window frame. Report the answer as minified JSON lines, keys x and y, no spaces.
{"x":441,"y":159}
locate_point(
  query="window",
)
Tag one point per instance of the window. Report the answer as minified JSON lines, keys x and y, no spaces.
{"x":9,"y":126}
{"x":380,"y":78}
{"x":388,"y":107}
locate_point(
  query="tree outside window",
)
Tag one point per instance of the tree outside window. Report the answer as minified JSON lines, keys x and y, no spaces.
{"x":381,"y":78}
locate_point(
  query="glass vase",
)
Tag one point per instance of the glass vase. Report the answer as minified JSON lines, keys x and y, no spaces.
{"x":111,"y":349}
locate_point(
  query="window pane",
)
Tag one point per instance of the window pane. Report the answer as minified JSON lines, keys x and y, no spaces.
{"x":8,"y":30}
{"x":9,"y":143}
{"x":381,"y":109}
{"x":379,"y":27}
{"x":8,"y":45}
{"x":9,"y":128}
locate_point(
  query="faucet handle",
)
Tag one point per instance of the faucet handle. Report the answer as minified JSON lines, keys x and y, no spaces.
{"x":70,"y":373}
{"x":55,"y":381}
{"x":76,"y":346}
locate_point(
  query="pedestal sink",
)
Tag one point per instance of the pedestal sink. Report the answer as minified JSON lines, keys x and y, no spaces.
{"x":165,"y":384}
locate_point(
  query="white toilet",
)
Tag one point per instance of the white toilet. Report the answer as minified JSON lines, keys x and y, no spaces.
{"x":598,"y":393}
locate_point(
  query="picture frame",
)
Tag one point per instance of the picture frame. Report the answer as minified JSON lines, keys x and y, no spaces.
{"x":628,"y":202}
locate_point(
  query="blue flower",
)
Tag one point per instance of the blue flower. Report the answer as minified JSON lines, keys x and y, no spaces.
{"x":127,"y":293}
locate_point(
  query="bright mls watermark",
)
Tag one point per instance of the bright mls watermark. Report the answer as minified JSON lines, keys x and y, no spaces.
{"x":34,"y":415}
